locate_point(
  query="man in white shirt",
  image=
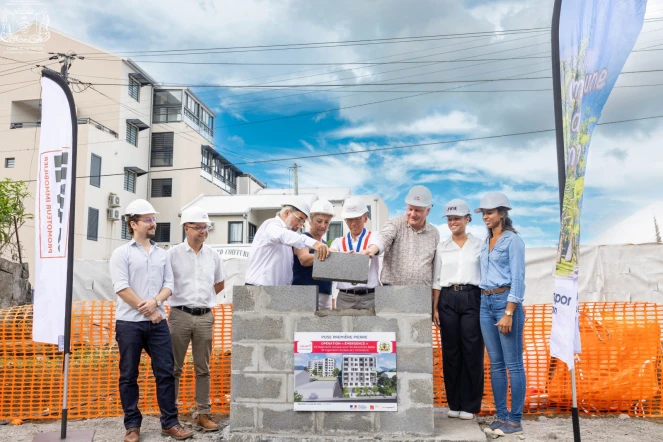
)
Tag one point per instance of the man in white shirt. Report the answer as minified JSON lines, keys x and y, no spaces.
{"x":143,"y":280}
{"x":358,"y":296}
{"x":271,"y":252}
{"x":199,"y":275}
{"x":456,"y":311}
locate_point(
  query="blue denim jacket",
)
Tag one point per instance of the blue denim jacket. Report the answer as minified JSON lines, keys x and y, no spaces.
{"x":504,"y":266}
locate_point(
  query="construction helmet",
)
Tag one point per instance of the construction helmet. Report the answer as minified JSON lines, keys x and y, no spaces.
{"x":298,"y":204}
{"x":419,"y":196}
{"x":194,"y":215}
{"x":493,"y":200}
{"x":323,"y":207}
{"x":139,"y":207}
{"x":353,"y":207}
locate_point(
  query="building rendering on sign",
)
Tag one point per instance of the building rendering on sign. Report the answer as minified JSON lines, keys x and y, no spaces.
{"x":359,"y":371}
{"x":323,"y":367}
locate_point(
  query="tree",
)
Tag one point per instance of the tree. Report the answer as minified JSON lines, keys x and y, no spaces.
{"x":356,"y":391}
{"x":298,"y":397}
{"x":336,"y":372}
{"x":365,"y":390}
{"x":375,"y":389}
{"x":12,"y":217}
{"x":346,"y":392}
{"x":315,"y":372}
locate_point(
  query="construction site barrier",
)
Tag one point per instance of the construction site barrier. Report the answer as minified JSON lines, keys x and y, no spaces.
{"x":619,"y":370}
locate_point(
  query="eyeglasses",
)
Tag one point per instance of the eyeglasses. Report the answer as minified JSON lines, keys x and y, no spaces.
{"x":300,"y":219}
{"x":354,"y":220}
{"x":149,"y":220}
{"x":198,"y":228}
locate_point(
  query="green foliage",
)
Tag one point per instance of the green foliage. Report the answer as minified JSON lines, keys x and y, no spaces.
{"x":12,"y":217}
{"x":336,"y":372}
{"x":298,"y":397}
{"x":346,"y":392}
{"x":314,"y":372}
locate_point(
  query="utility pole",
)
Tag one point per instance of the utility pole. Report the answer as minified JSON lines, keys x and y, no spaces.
{"x":296,"y":179}
{"x":66,"y":59}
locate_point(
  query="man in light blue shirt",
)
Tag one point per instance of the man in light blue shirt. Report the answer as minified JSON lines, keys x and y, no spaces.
{"x":143,"y":279}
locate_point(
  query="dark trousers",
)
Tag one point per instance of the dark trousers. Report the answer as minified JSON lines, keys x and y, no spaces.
{"x":462,"y":348}
{"x":132,"y":338}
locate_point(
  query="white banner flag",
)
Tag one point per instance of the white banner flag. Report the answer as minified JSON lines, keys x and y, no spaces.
{"x":52,"y":202}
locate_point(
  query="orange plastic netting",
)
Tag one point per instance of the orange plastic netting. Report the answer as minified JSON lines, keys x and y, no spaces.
{"x":619,"y":370}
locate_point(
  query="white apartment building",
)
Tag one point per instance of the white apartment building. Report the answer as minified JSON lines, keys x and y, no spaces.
{"x":323,"y":367}
{"x":359,"y":371}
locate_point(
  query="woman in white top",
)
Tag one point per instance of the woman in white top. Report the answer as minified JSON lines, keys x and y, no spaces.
{"x":456,"y":304}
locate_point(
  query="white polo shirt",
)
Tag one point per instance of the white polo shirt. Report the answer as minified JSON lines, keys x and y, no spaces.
{"x":271,"y":253}
{"x":195,"y":275}
{"x":455,"y":265}
{"x":361,"y":242}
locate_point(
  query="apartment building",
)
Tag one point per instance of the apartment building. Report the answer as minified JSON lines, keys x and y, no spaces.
{"x":323,"y":367}
{"x":359,"y":371}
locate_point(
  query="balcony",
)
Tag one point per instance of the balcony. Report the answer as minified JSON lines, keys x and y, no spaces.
{"x":201,"y":127}
{"x":96,"y":124}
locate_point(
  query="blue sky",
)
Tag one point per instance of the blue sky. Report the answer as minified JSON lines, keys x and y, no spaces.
{"x":625,"y":159}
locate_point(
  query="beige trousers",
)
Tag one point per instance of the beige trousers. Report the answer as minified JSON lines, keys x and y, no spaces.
{"x":349,"y":301}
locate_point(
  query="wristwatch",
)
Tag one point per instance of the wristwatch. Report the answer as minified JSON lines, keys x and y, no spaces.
{"x":508,"y":313}
{"x":159,"y":303}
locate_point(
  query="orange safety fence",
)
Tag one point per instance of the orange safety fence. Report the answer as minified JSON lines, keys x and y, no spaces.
{"x":619,"y":371}
{"x":31,"y":373}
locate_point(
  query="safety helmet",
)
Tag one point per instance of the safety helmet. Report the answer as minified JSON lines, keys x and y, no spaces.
{"x":353,"y":207}
{"x":419,"y":196}
{"x":493,"y":200}
{"x":298,"y":204}
{"x":139,"y":207}
{"x":194,"y":215}
{"x":323,"y":207}
{"x":457,"y":207}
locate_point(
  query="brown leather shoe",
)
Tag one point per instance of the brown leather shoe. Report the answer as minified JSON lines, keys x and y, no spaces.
{"x":177,"y":432}
{"x":132,"y":435}
{"x":205,"y":423}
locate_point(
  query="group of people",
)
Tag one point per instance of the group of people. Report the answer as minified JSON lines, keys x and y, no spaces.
{"x":144,"y":276}
{"x":477,"y":285}
{"x":477,"y":294}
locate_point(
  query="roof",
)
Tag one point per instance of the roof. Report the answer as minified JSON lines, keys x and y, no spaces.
{"x":327,"y":193}
{"x":241,"y":204}
{"x":643,"y":227}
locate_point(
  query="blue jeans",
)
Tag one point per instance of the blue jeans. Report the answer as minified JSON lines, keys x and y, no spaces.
{"x":504,"y":351}
{"x":132,"y":338}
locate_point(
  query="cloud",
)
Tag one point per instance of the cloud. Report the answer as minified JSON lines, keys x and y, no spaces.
{"x":236,"y":139}
{"x":616,"y":153}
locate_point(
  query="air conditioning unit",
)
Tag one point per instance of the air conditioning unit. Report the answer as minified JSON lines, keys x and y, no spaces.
{"x":113,"y":214}
{"x":210,"y":227}
{"x":113,"y":200}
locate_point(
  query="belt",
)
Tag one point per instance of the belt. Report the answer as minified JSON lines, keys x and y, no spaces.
{"x":461,"y":288}
{"x":358,"y":291}
{"x":496,"y":291}
{"x":196,"y":311}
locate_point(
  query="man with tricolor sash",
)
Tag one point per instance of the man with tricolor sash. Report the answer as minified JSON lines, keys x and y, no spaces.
{"x":357,"y":240}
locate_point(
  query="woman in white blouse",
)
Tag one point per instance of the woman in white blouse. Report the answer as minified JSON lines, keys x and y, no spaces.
{"x":456,"y":303}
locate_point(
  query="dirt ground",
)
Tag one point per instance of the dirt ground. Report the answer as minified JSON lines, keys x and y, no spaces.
{"x":537,"y":429}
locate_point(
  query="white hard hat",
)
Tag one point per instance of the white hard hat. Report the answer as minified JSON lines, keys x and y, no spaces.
{"x":457,"y":207}
{"x":493,"y":200}
{"x":194,"y":215}
{"x":419,"y":196}
{"x":322,"y":206}
{"x":139,"y":207}
{"x":353,"y":207}
{"x":298,"y":204}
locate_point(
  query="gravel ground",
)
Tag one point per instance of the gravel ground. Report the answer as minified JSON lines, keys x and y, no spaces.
{"x":537,"y":429}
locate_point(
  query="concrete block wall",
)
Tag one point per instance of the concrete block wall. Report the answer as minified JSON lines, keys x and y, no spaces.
{"x":265,"y":320}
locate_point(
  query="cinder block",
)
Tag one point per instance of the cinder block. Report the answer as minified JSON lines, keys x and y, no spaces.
{"x":343,"y":267}
{"x":376,"y":324}
{"x":420,"y":391}
{"x":243,"y":417}
{"x":277,"y":357}
{"x":244,"y":358}
{"x":403,"y":299}
{"x":420,"y":330}
{"x":244,"y":298}
{"x":341,"y":422}
{"x":258,"y":387}
{"x":410,"y":422}
{"x":283,"y":419}
{"x":317,"y":324}
{"x":254,"y":327}
{"x":291,"y":298}
{"x":414,"y":359}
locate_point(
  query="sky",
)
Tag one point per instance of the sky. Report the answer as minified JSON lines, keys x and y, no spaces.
{"x":625,"y":160}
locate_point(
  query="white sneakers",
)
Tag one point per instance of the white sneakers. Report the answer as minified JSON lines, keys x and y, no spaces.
{"x":461,"y":414}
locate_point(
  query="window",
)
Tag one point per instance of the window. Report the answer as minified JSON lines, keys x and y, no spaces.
{"x":162,"y":187}
{"x":92,"y":223}
{"x":167,"y":106}
{"x":125,"y":231}
{"x":235,"y":232}
{"x":252,"y":232}
{"x":130,"y":181}
{"x":9,"y":163}
{"x":168,"y":98}
{"x":134,"y":89}
{"x":369,"y":211}
{"x":335,"y":230}
{"x":167,"y":115}
{"x":162,"y":233}
{"x":162,"y":149}
{"x":206,"y":160}
{"x":95,"y":171}
{"x":132,"y":135}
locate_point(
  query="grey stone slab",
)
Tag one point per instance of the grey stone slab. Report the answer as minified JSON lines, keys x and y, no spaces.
{"x":243,"y":417}
{"x":341,"y":422}
{"x":420,"y":391}
{"x":342,"y":267}
{"x":276,"y":357}
{"x":315,"y":323}
{"x":346,"y":312}
{"x":414,"y":359}
{"x":257,"y":327}
{"x":403,"y":299}
{"x":282,"y":418}
{"x":258,"y":387}
{"x":292,"y":298}
{"x":458,"y":430}
{"x":244,"y":357}
{"x":244,"y":298}
{"x":420,"y":331}
{"x":410,"y":422}
{"x":376,"y":324}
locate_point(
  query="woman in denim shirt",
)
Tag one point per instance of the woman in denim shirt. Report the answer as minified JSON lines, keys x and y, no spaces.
{"x":502,"y":316}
